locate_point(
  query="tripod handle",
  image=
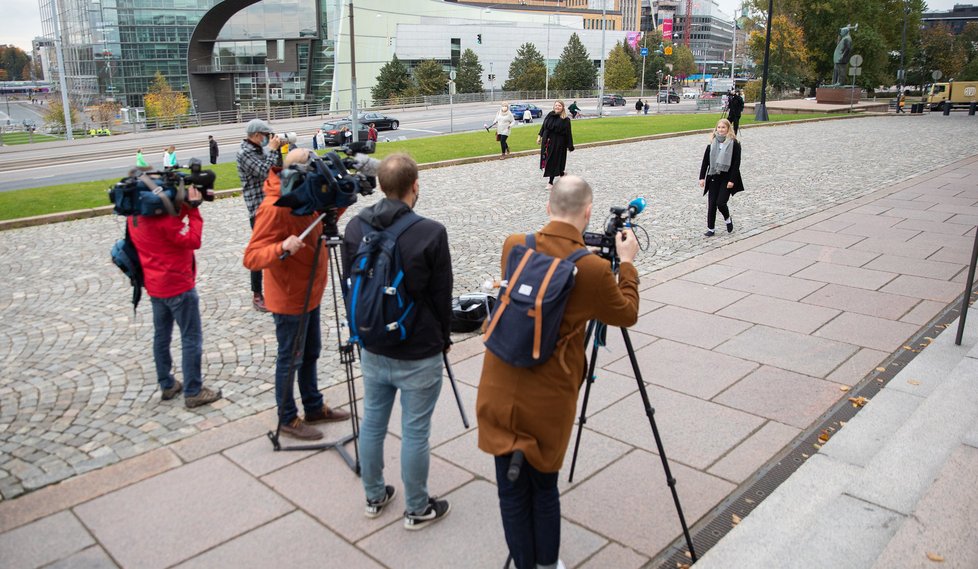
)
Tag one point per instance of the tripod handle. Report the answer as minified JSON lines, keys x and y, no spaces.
{"x":515,"y":465}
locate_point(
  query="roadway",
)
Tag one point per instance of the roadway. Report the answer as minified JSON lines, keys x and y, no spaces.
{"x":87,"y":159}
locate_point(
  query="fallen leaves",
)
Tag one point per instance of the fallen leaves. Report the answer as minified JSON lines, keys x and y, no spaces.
{"x":936,"y":557}
{"x":881,"y":369}
{"x":858,"y":401}
{"x":735,"y":519}
{"x":913,"y":382}
{"x":824,"y":436}
{"x":844,"y":388}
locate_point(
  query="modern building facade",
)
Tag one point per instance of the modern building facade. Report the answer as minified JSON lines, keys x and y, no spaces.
{"x":955,"y":19}
{"x":711,"y":31}
{"x":244,"y":54}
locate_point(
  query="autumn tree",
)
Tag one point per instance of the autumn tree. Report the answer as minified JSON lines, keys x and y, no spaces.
{"x":55,"y":116}
{"x":163,"y":102}
{"x":469,"y":76}
{"x":619,"y":74}
{"x":430,"y":78}
{"x":574,"y":70}
{"x":682,"y":60}
{"x":940,"y":52}
{"x":106,"y":112}
{"x":393,"y":80}
{"x":527,"y":71}
{"x":789,"y":59}
{"x":13,"y":62}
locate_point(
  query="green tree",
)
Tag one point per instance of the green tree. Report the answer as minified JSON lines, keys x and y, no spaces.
{"x":619,"y":74}
{"x":574,"y":70}
{"x":527,"y":71}
{"x":393,"y":80}
{"x":55,"y":116}
{"x":940,"y":52}
{"x":163,"y":102}
{"x":469,"y":76}
{"x":789,"y":61}
{"x":654,"y":62}
{"x":430,"y":78}
{"x":13,"y":61}
{"x":682,"y":60}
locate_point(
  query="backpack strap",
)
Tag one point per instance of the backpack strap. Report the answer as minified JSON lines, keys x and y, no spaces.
{"x":577,"y":255}
{"x":504,"y":301}
{"x":538,"y":308}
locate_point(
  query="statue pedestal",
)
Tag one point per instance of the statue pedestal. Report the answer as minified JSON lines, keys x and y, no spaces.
{"x":841,"y":95}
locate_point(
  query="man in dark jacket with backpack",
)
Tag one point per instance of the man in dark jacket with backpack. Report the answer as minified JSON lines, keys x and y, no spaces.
{"x":531,"y":409}
{"x":412,"y":365}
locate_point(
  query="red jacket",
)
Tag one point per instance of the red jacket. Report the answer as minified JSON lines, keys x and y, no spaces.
{"x":285,"y":281}
{"x":166,"y":248}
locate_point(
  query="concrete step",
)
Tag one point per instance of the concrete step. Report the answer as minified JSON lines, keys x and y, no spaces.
{"x":848,"y":504}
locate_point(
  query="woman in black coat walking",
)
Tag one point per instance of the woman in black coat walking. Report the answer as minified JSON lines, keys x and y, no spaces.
{"x":555,"y":141}
{"x":720,"y":174}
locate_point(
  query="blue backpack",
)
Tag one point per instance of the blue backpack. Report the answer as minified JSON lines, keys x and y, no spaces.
{"x":125,"y":257}
{"x":379,"y":309}
{"x":525,"y":325}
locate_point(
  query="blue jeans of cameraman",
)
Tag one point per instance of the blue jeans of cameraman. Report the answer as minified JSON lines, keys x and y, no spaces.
{"x":419,"y":382}
{"x":286,"y":330}
{"x":530,"y":509}
{"x":184,"y":309}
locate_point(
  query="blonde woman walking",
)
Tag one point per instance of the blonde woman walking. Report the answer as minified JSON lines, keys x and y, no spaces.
{"x":720,"y":174}
{"x":504,"y":122}
{"x":555,"y":140}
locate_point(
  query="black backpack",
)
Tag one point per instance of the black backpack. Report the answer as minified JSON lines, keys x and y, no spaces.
{"x":379,"y":309}
{"x":125,"y":257}
{"x":525,"y":325}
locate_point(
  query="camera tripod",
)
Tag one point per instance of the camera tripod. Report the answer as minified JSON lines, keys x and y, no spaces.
{"x":599,"y":330}
{"x":333,"y":240}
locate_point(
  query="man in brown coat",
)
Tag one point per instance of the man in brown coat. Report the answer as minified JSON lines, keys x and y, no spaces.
{"x":532,"y":409}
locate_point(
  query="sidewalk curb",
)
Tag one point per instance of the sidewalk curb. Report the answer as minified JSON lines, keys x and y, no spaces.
{"x":59,"y":217}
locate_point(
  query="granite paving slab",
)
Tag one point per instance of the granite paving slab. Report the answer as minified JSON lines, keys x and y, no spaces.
{"x":812,"y":356}
{"x":783,"y":396}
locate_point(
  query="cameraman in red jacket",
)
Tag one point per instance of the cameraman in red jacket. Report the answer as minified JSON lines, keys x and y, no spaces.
{"x":166,"y":246}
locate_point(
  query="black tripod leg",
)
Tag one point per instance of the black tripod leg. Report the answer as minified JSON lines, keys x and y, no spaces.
{"x":650,"y":413}
{"x":588,"y":379}
{"x":458,"y":398}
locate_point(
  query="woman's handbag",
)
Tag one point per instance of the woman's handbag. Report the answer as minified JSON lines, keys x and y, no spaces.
{"x":497,"y":137}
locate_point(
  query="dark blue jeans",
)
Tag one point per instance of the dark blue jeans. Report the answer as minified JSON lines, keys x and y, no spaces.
{"x":184,"y":309}
{"x":286,"y":329}
{"x":530,"y":509}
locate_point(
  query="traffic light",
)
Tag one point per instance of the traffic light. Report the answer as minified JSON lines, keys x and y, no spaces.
{"x":478,"y":39}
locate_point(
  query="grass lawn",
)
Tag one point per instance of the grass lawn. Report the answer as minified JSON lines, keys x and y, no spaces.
{"x":67,"y":197}
{"x":11,"y":138}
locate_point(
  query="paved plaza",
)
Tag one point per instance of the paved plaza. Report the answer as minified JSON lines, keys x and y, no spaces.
{"x":847,"y":241}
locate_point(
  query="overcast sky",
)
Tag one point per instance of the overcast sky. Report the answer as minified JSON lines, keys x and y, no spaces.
{"x":21,"y":20}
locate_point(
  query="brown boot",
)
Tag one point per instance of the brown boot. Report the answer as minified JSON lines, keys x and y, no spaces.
{"x":298,"y":429}
{"x":326,"y":415}
{"x":204,"y":397}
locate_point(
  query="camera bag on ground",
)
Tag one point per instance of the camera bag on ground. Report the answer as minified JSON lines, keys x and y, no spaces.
{"x":469,"y":311}
{"x":525,"y":325}
{"x":125,"y":257}
{"x":379,"y":308}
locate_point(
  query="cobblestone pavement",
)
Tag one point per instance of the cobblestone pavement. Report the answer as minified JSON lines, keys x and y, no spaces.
{"x":77,"y":382}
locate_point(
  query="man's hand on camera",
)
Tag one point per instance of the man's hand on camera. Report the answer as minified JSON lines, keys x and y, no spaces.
{"x":626,"y":245}
{"x":292,"y":244}
{"x":193,"y":196}
{"x":274,"y":142}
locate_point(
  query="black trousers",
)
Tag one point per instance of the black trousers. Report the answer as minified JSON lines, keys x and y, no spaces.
{"x":735,"y":122}
{"x":504,"y":148}
{"x":255,"y":275}
{"x":717,"y":196}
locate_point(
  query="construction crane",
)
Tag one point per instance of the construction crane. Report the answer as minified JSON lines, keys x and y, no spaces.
{"x":688,"y":27}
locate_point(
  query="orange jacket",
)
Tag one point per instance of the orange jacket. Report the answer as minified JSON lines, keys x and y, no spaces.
{"x":285,"y":281}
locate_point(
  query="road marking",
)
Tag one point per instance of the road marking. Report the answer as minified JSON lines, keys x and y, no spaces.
{"x":418,"y":130}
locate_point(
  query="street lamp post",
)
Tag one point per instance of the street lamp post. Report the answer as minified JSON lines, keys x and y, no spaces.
{"x":62,"y":81}
{"x":902,"y":75}
{"x":604,"y":26}
{"x":760,"y":113}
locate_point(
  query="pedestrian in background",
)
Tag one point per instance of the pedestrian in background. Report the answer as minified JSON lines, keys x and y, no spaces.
{"x":527,"y":116}
{"x":212,"y":144}
{"x":901,"y":101}
{"x":319,"y":141}
{"x":170,"y":157}
{"x":720,"y":174}
{"x":645,"y":107}
{"x":504,"y":122}
{"x":555,"y":141}
{"x":735,"y":107}
{"x":372,"y":132}
{"x":639,"y":106}
{"x":140,"y":160}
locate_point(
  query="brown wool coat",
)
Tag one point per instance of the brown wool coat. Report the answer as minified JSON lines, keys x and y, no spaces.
{"x":532,"y":409}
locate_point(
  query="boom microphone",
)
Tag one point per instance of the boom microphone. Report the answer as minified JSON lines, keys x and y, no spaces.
{"x":636,"y":206}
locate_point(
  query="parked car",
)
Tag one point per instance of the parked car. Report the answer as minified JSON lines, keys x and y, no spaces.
{"x":613,"y":101}
{"x":668,"y":96}
{"x":333,"y":131}
{"x":381,"y":121}
{"x":518,"y":108}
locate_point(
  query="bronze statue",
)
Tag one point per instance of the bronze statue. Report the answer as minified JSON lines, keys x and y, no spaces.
{"x":843,"y":51}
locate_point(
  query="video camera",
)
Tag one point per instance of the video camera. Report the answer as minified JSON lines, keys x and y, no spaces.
{"x":328,"y":182}
{"x":161,"y":192}
{"x":620,"y":218}
{"x":287,"y":138}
